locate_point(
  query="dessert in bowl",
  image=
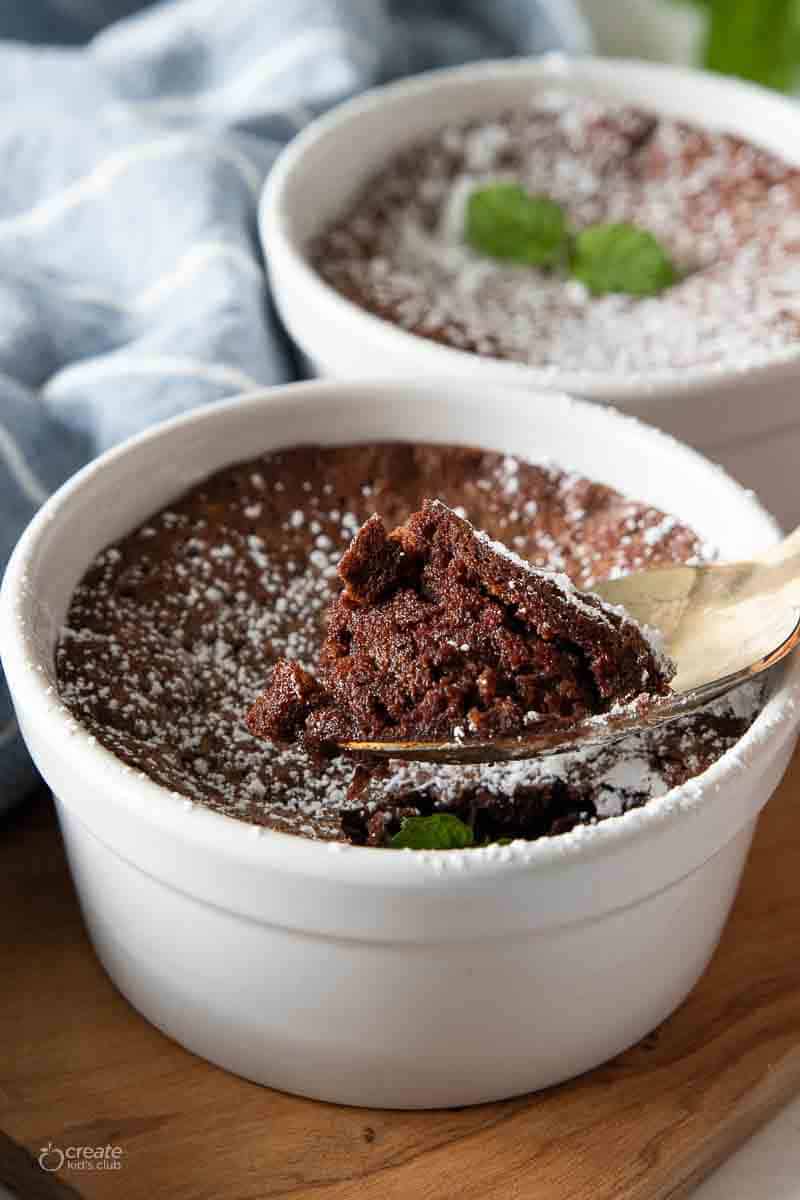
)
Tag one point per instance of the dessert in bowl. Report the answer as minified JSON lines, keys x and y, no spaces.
{"x":277,"y":932}
{"x":439,"y":632}
{"x":365,"y":225}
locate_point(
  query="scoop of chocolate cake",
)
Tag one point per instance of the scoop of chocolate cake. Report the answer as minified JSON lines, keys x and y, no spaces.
{"x":439,"y":632}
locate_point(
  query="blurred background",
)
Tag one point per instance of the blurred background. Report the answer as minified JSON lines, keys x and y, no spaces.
{"x":754,"y":39}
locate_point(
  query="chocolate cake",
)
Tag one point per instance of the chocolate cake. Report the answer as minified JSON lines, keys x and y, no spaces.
{"x":439,"y":632}
{"x":726,"y":211}
{"x":171,"y":634}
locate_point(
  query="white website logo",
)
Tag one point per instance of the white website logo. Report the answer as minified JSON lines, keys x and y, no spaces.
{"x":80,"y":1158}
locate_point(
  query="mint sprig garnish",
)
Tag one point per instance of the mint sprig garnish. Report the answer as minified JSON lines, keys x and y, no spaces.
{"x":504,"y":222}
{"x":440,"y":831}
{"x":621,"y":258}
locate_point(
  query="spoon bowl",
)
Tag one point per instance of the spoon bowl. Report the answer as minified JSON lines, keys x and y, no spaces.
{"x":721,"y":624}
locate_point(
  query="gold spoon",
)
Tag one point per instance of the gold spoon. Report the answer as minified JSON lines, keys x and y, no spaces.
{"x":722,"y":624}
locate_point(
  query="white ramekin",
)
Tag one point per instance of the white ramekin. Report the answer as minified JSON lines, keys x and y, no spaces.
{"x":746,"y":418}
{"x":399,"y":979}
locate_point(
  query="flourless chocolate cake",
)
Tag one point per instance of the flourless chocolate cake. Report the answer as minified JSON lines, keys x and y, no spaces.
{"x":725,"y":211}
{"x":439,"y":632}
{"x":173,"y":632}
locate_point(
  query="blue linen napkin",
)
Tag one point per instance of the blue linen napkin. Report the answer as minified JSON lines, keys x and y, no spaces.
{"x":132,"y":154}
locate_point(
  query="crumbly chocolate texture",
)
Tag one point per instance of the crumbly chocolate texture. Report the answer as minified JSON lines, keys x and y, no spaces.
{"x":170,"y":636}
{"x":727,"y":212}
{"x":440,"y":632}
{"x":281,"y":712}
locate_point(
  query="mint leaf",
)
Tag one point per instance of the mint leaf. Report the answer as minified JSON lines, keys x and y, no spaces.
{"x":440,"y":831}
{"x":621,"y":258}
{"x":504,"y":222}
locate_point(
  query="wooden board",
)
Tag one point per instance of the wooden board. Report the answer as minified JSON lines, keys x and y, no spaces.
{"x":79,"y":1067}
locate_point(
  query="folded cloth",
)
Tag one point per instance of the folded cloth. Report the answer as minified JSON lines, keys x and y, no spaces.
{"x":131,"y":282}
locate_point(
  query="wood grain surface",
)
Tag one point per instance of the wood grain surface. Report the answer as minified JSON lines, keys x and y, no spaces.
{"x":78,"y":1066}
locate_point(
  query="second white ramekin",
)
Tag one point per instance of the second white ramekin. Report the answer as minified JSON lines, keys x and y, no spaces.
{"x":376,"y":977}
{"x":747,"y":418}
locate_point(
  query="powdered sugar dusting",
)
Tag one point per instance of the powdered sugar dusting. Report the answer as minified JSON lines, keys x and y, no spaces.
{"x":617,"y":778}
{"x":727,"y":211}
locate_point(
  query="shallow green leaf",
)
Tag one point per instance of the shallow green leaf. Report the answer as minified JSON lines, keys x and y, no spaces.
{"x":621,"y":258}
{"x":757,"y":40}
{"x":440,"y":831}
{"x":504,"y":222}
